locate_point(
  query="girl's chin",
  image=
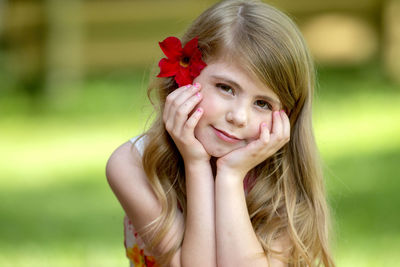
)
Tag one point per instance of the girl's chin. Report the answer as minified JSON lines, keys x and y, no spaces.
{"x":217,"y":153}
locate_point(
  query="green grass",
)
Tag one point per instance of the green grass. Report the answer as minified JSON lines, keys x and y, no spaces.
{"x":56,"y":208}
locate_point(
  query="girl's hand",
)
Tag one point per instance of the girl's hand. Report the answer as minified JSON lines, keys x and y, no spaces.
{"x":242,"y":160}
{"x":180,"y":120}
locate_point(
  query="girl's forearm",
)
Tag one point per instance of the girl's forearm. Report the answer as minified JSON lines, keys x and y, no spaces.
{"x":198,"y":248}
{"x":237,"y":243}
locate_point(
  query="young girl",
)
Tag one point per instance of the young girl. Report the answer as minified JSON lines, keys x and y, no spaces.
{"x":228,"y":173}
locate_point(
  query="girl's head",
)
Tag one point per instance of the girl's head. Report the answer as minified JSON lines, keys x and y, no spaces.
{"x":264,"y":42}
{"x":264,"y":45}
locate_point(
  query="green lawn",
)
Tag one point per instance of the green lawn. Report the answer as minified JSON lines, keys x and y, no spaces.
{"x":56,"y":208}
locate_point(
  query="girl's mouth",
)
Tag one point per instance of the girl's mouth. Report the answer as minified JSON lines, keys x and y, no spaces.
{"x":225,"y":136}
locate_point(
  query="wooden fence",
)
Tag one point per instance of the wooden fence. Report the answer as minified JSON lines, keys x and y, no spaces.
{"x":58,"y":39}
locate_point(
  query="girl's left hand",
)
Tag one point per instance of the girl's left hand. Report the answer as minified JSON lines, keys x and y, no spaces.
{"x":242,"y":160}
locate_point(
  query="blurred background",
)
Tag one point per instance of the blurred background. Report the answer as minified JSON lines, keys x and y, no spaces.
{"x":73,"y":77}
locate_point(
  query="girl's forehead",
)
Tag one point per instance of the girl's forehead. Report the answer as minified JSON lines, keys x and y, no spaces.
{"x":232,"y":69}
{"x":229,"y":65}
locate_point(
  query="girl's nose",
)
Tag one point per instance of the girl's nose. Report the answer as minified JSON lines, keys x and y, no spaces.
{"x":237,"y":116}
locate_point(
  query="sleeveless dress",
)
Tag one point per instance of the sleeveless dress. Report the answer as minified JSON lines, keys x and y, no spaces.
{"x":134,"y":246}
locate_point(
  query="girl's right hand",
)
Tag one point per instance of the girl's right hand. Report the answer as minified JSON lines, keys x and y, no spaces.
{"x":180,"y":120}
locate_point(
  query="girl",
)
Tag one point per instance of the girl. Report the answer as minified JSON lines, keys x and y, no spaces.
{"x":228,"y":174}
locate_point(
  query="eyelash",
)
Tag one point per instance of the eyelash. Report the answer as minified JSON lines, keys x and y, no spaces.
{"x":266,"y":105}
{"x":225,"y":88}
{"x":228,"y":89}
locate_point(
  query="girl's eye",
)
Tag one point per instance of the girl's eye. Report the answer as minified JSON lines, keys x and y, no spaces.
{"x":263,"y":104}
{"x":225,"y":88}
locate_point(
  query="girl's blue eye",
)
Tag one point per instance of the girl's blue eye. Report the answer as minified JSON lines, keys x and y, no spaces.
{"x":263,"y":104}
{"x":225,"y":88}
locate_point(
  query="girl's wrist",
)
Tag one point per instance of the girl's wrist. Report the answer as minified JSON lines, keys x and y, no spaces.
{"x":233,"y":174}
{"x":197,"y":165}
{"x":230,"y":178}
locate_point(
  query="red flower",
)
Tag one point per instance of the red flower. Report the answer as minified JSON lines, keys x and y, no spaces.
{"x":185,"y":64}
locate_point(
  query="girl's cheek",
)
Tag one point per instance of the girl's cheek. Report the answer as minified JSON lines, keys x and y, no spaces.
{"x":205,"y":104}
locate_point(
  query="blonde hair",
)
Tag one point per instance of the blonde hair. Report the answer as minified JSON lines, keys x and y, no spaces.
{"x":288,"y":196}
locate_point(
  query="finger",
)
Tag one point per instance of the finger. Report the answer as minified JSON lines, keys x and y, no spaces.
{"x":177,"y":99}
{"x":255,"y":147}
{"x":276,"y":124}
{"x":265,"y":134}
{"x":171,"y":99}
{"x":193,"y":120}
{"x":185,"y":109}
{"x":264,"y":138}
{"x":184,"y":95}
{"x":286,"y":125}
{"x":179,"y":91}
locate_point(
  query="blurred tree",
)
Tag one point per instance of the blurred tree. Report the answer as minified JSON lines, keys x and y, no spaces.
{"x":63,"y":46}
{"x":391,"y":48}
{"x":24,"y":27}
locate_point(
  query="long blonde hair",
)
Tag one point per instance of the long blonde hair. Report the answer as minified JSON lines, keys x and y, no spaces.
{"x":288,"y":196}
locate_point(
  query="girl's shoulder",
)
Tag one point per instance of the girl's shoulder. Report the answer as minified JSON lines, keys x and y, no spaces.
{"x":128,"y":180}
{"x":126,"y":158}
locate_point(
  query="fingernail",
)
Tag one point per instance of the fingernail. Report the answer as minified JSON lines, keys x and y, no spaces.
{"x":263,"y":124}
{"x":199,"y":110}
{"x":197,"y":85}
{"x":198,"y":94}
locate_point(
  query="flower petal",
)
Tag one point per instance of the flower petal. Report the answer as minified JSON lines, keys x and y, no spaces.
{"x":172,"y":48}
{"x":183,"y":77}
{"x":168,"y":67}
{"x":191,"y":47}
{"x":196,"y":64}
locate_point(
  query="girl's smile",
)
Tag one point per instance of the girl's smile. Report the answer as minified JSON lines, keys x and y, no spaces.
{"x":226,"y":137}
{"x":235,"y":104}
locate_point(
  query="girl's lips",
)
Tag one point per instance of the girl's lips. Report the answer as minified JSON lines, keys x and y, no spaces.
{"x":225,"y":136}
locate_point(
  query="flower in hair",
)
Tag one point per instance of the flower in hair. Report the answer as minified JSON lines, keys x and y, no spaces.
{"x":184,"y":64}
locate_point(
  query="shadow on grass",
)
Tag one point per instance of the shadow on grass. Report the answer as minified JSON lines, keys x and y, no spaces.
{"x":83,"y":211}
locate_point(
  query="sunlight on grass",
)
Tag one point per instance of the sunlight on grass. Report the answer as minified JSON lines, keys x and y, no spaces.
{"x":367,"y":122}
{"x":44,"y":149}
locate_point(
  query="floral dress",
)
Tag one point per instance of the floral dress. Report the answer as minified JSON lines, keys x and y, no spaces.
{"x":135,"y":248}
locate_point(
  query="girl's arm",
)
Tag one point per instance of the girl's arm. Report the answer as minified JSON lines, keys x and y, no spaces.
{"x":180,"y":118}
{"x":128,"y":181}
{"x":198,"y":248}
{"x":237,"y":243}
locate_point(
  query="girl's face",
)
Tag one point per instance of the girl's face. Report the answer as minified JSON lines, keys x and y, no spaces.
{"x":235,"y":104}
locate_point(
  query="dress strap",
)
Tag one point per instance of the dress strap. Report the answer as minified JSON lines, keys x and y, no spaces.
{"x":139,"y":142}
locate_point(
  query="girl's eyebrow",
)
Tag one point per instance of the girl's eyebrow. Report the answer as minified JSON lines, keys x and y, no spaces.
{"x":236,"y":85}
